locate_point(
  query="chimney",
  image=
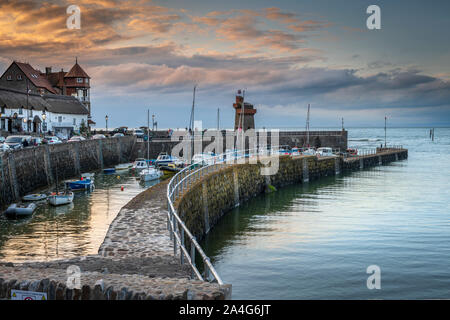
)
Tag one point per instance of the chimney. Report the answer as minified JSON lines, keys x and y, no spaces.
{"x":48,"y":70}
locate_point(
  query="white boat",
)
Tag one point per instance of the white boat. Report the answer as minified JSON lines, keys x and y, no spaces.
{"x":325,"y":152}
{"x":140,"y":165}
{"x":123,"y":166}
{"x":309,"y":152}
{"x":60,"y":198}
{"x":296,"y":151}
{"x":204,"y":158}
{"x":89,"y":176}
{"x":20,"y":210}
{"x":34,"y":197}
{"x":150,"y":174}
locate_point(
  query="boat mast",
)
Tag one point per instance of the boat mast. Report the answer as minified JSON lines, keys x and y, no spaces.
{"x":191,"y":123}
{"x":218,"y":119}
{"x":307,"y":127}
{"x":148,"y":136}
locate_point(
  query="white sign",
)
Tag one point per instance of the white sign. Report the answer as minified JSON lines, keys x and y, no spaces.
{"x":27,"y":295}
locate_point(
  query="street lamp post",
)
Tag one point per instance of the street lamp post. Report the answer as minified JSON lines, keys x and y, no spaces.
{"x":44,"y":125}
{"x":385,"y":119}
{"x":106,"y":119}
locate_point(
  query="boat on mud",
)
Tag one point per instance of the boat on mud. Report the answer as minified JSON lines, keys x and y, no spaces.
{"x":34,"y":197}
{"x":61,"y":198}
{"x":17,"y":210}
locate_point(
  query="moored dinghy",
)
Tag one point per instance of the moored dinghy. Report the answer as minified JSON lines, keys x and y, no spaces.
{"x":20,"y":210}
{"x":61,"y":198}
{"x":123,"y":166}
{"x":34,"y":197}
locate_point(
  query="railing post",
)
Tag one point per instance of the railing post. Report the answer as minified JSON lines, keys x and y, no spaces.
{"x":174,"y":238}
{"x":182,"y":244}
{"x":193,"y":254}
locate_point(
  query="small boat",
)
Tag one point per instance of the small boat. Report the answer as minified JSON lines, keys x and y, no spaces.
{"x":309,"y":152}
{"x":34,"y":197}
{"x":20,"y":210}
{"x":83,"y":184}
{"x":123,"y":166}
{"x":109,"y":170}
{"x":296,"y":151}
{"x":164,"y":159}
{"x":150,"y":174}
{"x":88,"y":176}
{"x":60,"y":198}
{"x":140,"y":165}
{"x":170,"y":168}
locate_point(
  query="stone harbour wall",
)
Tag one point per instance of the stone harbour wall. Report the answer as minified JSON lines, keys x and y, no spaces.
{"x":210,"y":198}
{"x":26,"y":170}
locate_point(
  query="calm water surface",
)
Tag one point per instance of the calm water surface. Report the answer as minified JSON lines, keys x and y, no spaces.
{"x":72,"y":230}
{"x":315,"y":241}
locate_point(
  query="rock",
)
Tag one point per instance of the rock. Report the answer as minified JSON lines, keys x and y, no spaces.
{"x":59,"y":294}
{"x":123,"y":293}
{"x":97,"y":293}
{"x":76,"y":294}
{"x":51,"y":290}
{"x":85,"y":292}
{"x":24,"y":285}
{"x":34,"y":286}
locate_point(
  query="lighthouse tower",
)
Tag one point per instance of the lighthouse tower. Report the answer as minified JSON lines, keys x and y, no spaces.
{"x":244,"y":116}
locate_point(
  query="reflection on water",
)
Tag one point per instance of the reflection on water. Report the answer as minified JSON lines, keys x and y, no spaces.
{"x":316,"y":240}
{"x":71,"y":230}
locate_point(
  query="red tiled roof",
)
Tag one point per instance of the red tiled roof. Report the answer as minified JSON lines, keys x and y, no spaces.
{"x":76,"y":72}
{"x":35,"y":76}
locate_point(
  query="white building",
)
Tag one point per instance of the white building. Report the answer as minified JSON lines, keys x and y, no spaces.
{"x":36,"y":113}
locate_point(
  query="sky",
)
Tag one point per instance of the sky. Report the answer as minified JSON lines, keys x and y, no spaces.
{"x":286,"y":54}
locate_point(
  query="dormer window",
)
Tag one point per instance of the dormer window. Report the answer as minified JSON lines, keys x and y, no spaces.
{"x":80,"y":80}
{"x":19,"y":77}
{"x":9,"y":77}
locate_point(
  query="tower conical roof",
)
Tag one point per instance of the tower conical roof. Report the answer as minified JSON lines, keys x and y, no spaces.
{"x":76,"y":72}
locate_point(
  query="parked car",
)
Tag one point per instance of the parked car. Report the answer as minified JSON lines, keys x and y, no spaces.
{"x":4,"y":147}
{"x":53,"y":140}
{"x":352,"y":151}
{"x":98,"y":136}
{"x":76,"y":138}
{"x":17,"y":142}
{"x":325,"y":152}
{"x":138,"y":133}
{"x":35,"y":141}
{"x":118,"y":135}
{"x":122,"y":130}
{"x":2,"y":139}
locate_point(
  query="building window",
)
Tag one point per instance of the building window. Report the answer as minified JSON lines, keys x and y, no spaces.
{"x":19,"y":77}
{"x":21,"y":111}
{"x":87,"y":80}
{"x":59,"y":119}
{"x":80,"y":80}
{"x":74,"y":121}
{"x":2,"y":110}
{"x":9,"y":77}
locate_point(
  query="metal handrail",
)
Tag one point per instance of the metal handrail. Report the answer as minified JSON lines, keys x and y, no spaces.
{"x":178,"y":184}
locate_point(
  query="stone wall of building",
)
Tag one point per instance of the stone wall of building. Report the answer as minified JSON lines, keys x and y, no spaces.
{"x":24,"y":171}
